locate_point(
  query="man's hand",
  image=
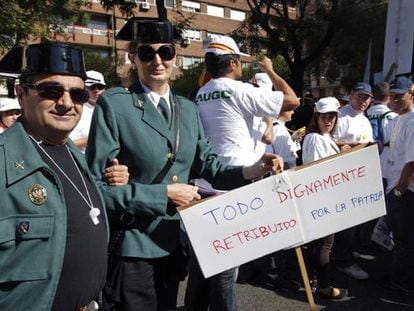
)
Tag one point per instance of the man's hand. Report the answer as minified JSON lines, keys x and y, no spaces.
{"x":273,"y":162}
{"x":182,"y":194}
{"x":116,"y":174}
{"x":265,"y":63}
{"x":264,"y":165}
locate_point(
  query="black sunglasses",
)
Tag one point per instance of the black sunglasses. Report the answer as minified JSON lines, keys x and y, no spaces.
{"x":54,"y":91}
{"x":98,"y":86}
{"x":146,"y":53}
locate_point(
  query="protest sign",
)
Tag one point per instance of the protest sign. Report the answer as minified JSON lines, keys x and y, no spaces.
{"x":285,"y":210}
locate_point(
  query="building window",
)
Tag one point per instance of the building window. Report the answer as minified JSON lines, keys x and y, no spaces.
{"x":190,"y":61}
{"x":194,"y":35}
{"x":237,"y":15}
{"x":98,"y":22}
{"x":170,"y":3}
{"x":215,"y":11}
{"x":190,"y":6}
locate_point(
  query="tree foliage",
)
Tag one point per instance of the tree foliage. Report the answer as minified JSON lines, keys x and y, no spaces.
{"x":188,"y":80}
{"x":129,"y":8}
{"x":349,"y":48}
{"x":105,"y":65}
{"x":303,"y":31}
{"x":24,"y":19}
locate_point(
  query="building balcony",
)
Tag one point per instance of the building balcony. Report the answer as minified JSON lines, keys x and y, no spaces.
{"x":83,"y":35}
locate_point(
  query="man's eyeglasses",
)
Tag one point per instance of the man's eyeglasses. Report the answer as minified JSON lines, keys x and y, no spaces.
{"x":146,"y":53}
{"x":96,"y":86}
{"x":54,"y":91}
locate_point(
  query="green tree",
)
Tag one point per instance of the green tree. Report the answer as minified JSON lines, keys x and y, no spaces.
{"x":24,"y":19}
{"x":128,"y":7}
{"x":348,"y":49}
{"x":302,"y":31}
{"x":188,"y":80}
{"x":105,"y":65}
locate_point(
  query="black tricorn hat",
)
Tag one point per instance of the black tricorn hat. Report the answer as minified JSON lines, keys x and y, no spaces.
{"x":148,"y":30}
{"x":53,"y":58}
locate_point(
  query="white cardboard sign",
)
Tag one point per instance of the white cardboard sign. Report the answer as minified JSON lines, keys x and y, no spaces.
{"x":285,"y":210}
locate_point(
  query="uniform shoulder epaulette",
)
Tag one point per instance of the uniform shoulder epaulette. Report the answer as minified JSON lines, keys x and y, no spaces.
{"x":116,"y":91}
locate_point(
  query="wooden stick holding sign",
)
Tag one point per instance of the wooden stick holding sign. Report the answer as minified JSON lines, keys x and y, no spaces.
{"x":305,"y":278}
{"x":299,"y":255}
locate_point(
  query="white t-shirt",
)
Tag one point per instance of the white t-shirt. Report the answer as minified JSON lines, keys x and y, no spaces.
{"x":3,"y":128}
{"x":258,"y":129}
{"x":375,"y":112}
{"x":316,"y":146}
{"x":82,"y":128}
{"x":353,"y":126}
{"x":227,"y":109}
{"x":401,"y":149}
{"x":283,"y":144}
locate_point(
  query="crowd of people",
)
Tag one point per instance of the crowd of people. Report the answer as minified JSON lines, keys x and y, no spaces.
{"x":92,"y":178}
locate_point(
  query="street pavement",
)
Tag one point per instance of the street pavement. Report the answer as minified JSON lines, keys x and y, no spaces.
{"x":363,"y":294}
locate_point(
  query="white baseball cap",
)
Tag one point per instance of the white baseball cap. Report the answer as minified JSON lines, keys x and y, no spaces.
{"x":94,"y":77}
{"x":7,"y":104}
{"x":221,"y":45}
{"x":327,"y":104}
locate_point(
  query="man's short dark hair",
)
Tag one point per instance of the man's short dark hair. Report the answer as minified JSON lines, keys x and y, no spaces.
{"x":218,"y":65}
{"x":381,"y":90}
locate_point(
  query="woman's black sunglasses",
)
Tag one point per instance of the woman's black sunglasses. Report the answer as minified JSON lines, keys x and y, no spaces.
{"x":146,"y":53}
{"x":54,"y":91}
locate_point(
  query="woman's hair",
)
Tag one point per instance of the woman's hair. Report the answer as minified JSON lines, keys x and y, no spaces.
{"x":218,"y":65}
{"x":132,"y":75}
{"x":313,"y":126}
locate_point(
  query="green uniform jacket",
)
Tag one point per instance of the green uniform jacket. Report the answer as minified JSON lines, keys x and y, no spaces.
{"x":127,"y":126}
{"x":31,"y":261}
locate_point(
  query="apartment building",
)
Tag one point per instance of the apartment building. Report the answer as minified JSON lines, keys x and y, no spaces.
{"x":97,"y":33}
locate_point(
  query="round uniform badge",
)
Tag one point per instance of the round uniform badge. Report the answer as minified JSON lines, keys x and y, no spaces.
{"x":37,"y":194}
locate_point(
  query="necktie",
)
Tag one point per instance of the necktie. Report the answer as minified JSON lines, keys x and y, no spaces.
{"x":165,"y":109}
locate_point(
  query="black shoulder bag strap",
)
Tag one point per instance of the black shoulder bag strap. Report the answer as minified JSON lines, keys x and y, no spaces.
{"x":128,"y":219}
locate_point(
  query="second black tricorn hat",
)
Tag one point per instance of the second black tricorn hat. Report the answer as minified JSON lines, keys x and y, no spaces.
{"x":148,"y":30}
{"x":51,"y":58}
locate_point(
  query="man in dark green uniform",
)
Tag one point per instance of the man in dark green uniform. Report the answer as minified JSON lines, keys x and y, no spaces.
{"x":53,"y":233}
{"x":158,"y":135}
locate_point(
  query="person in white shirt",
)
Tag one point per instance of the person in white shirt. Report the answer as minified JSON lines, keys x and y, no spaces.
{"x":228,"y":108}
{"x":96,"y":86}
{"x":353,"y":128}
{"x":262,"y":127}
{"x":380,"y":116}
{"x":10,"y":111}
{"x":318,"y":144}
{"x":283,"y":144}
{"x":400,"y":187}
